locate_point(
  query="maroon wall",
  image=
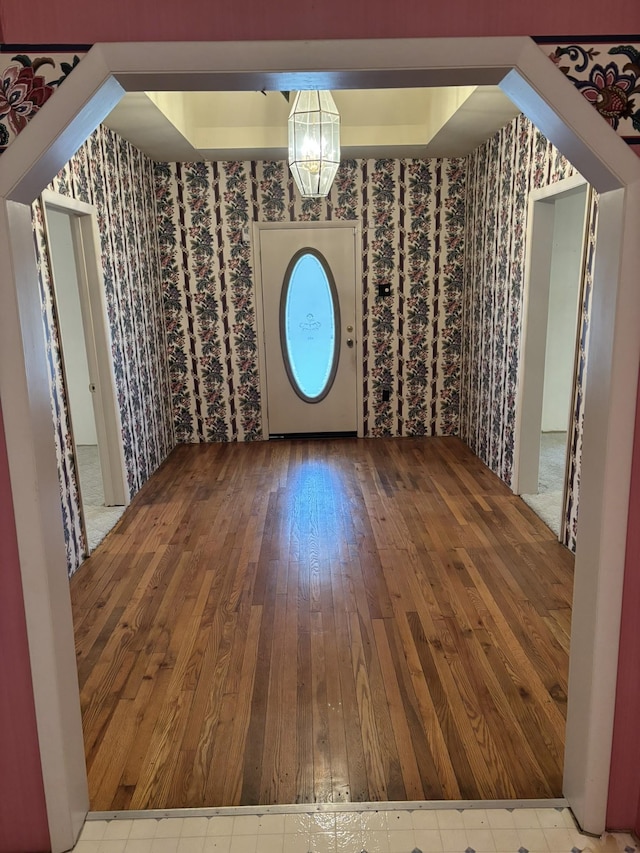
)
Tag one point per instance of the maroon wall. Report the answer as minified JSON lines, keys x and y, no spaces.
{"x":77,"y":21}
{"x":623,"y":810}
{"x":23,"y":816}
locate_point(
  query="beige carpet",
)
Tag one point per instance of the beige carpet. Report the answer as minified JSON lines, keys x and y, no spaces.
{"x":547,"y":503}
{"x":99,"y":519}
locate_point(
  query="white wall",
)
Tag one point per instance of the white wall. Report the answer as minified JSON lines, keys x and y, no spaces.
{"x":564,"y":290}
{"x":71,"y":329}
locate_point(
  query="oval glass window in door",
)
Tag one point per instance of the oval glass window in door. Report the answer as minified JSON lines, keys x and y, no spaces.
{"x":309,"y":325}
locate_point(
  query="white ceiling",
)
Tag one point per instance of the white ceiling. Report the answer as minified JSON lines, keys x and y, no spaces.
{"x":191,"y":126}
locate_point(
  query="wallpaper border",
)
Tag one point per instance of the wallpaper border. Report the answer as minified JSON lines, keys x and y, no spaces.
{"x":606,"y":71}
{"x":31,"y":79}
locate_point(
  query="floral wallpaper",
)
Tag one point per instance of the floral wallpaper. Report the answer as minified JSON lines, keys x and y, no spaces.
{"x":412,"y":217}
{"x":607,"y":74}
{"x":118,"y":180}
{"x":26,"y":83}
{"x":501,"y":175}
{"x":575,"y":438}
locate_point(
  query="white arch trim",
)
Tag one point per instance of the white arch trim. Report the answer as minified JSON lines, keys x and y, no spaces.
{"x":546,"y":97}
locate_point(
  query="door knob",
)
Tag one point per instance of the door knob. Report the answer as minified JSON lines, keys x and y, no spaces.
{"x":349,"y":342}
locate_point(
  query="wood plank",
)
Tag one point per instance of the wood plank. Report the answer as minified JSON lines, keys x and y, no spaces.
{"x":402,"y":734}
{"x":304,"y":755}
{"x":323,"y":783}
{"x":231,"y":792}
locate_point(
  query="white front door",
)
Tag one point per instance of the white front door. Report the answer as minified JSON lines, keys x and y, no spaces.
{"x":310,"y":329}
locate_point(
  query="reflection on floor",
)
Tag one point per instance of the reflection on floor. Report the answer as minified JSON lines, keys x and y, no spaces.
{"x":547,"y":504}
{"x":407,"y":830}
{"x":99,"y":519}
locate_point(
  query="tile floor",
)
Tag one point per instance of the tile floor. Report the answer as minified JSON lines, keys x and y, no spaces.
{"x":469,"y":830}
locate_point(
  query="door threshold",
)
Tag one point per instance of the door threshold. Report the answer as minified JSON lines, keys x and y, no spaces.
{"x":298,"y":808}
{"x":312,"y":435}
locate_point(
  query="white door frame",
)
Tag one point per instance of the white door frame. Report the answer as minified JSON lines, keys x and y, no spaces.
{"x":97,"y":335}
{"x":535,"y":309}
{"x":258,"y":229}
{"x":536,"y":87}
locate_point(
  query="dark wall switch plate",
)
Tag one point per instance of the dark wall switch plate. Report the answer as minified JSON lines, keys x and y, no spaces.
{"x":384,"y":290}
{"x":386,"y":394}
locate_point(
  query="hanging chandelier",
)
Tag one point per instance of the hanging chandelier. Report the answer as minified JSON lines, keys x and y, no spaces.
{"x":314,"y":142}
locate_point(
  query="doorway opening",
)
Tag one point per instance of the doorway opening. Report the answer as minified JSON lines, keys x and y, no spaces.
{"x":555,"y":329}
{"x":281,"y":507}
{"x":87,"y":365}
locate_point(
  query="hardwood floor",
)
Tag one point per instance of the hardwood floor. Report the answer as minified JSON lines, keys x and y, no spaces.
{"x":347,"y":620}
